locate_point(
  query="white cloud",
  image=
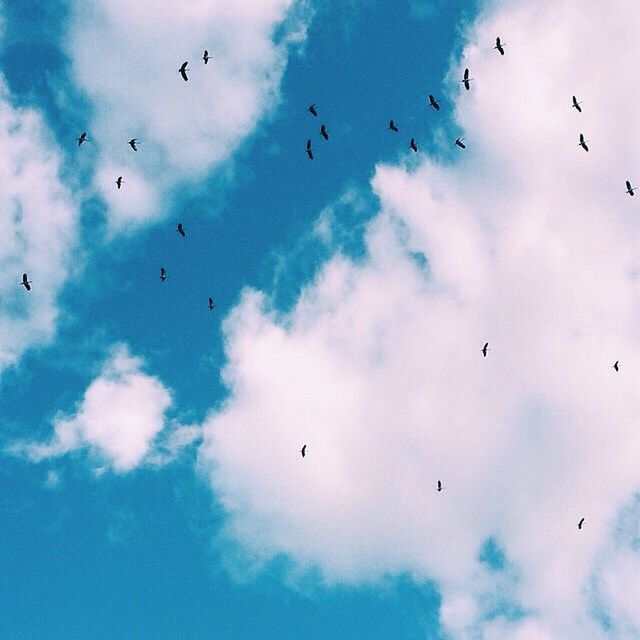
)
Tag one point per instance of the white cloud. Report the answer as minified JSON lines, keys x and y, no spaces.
{"x":126,"y":57}
{"x":532,"y":245}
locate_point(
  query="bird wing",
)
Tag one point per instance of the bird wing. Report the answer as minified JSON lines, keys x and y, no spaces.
{"x":183,"y":73}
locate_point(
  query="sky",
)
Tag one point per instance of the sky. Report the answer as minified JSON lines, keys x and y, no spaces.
{"x":151,"y":483}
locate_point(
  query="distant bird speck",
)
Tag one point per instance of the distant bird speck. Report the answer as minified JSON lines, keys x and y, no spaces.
{"x":580,"y":523}
{"x":119,"y":182}
{"x":163,"y":274}
{"x":433,"y":103}
{"x":180,"y":230}
{"x":461,"y":144}
{"x":439,"y":485}
{"x":466,"y":80}
{"x":392,"y":126}
{"x":26,"y":283}
{"x":413,"y":146}
{"x":616,"y":365}
{"x":133,"y":143}
{"x":499,"y":46}
{"x":485,"y":349}
{"x":309,"y":150}
{"x":323,"y":132}
{"x":312,"y":109}
{"x":212,"y":304}
{"x":183,"y":71}
{"x":82,"y":138}
{"x":583,"y":143}
{"x":303,"y":451}
{"x":206,"y":57}
{"x":630,"y":189}
{"x":576,"y":104}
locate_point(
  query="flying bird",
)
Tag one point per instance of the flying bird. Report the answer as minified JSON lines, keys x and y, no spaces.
{"x":323,"y":132}
{"x":583,"y":143}
{"x":499,"y":46}
{"x":312,"y":109}
{"x":212,"y":304}
{"x":82,"y":138}
{"x":163,"y":274}
{"x":576,"y":104}
{"x":133,"y":143}
{"x":309,"y":150}
{"x":119,"y":182}
{"x":392,"y":126}
{"x":466,"y":80}
{"x":433,"y":103}
{"x":485,"y":349}
{"x":412,"y":145}
{"x":180,"y":230}
{"x":630,"y":189}
{"x":439,"y":485}
{"x":580,"y":523}
{"x":303,"y":451}
{"x":183,"y":71}
{"x":26,"y":283}
{"x":461,"y":144}
{"x":616,"y":365}
{"x":206,"y":57}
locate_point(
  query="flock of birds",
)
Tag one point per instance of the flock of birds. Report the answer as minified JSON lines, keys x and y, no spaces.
{"x":312,"y":109}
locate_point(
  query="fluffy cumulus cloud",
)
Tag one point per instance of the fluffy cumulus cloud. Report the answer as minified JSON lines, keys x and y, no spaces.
{"x":39,"y":219}
{"x":118,"y":419}
{"x":530,"y":244}
{"x":126,"y":57}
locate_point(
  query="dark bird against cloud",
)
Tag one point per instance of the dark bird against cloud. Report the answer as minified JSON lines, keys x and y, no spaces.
{"x":206,"y":57}
{"x":583,"y":143}
{"x":499,"y":46}
{"x":466,"y":80}
{"x":82,"y":138}
{"x":119,"y":182}
{"x":133,"y":143}
{"x":461,"y":144}
{"x":485,"y":349}
{"x":303,"y":451}
{"x":412,"y":145}
{"x":576,"y":104}
{"x":183,"y":71}
{"x":26,"y":283}
{"x":630,"y":189}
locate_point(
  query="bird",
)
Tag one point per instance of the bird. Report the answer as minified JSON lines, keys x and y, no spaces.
{"x":180,"y":230}
{"x":206,"y":57}
{"x":183,"y":71}
{"x":439,"y":485}
{"x":630,"y":189}
{"x":303,"y":451}
{"x":412,"y":145}
{"x":119,"y":182}
{"x":82,"y":138}
{"x":309,"y":150}
{"x":466,"y":80}
{"x":323,"y":132}
{"x":461,"y":144}
{"x":616,"y":365}
{"x":583,"y":143}
{"x":163,"y":274}
{"x":133,"y":143}
{"x":499,"y":46}
{"x":392,"y":126}
{"x":580,"y":523}
{"x":312,"y":109}
{"x":433,"y":103}
{"x":26,"y":283}
{"x":576,"y":104}
{"x":212,"y":304}
{"x":485,"y":349}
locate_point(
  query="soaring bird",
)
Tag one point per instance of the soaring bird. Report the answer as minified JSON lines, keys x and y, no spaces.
{"x":323,"y":132}
{"x":580,"y":523}
{"x":499,"y":46}
{"x":630,"y":189}
{"x":303,"y":451}
{"x":466,"y":80}
{"x":616,"y":365}
{"x":583,"y":143}
{"x":461,"y":144}
{"x":163,"y":274}
{"x":26,"y":283}
{"x":180,"y":230}
{"x":119,"y":182}
{"x":309,"y":150}
{"x":133,"y":143}
{"x":412,"y":145}
{"x":183,"y":71}
{"x":392,"y":126}
{"x":82,"y":138}
{"x":576,"y":104}
{"x":212,"y":304}
{"x":206,"y":57}
{"x":485,"y":349}
{"x":312,"y":109}
{"x":439,"y":485}
{"x":433,"y":103}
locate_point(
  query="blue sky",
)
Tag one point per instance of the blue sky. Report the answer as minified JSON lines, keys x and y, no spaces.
{"x":133,"y":557}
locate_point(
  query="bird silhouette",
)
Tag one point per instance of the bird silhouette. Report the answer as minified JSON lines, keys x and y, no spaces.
{"x":119,"y":182}
{"x":212,"y":304}
{"x":82,"y":138}
{"x":499,"y":46}
{"x":303,"y":451}
{"x":323,"y":132}
{"x":26,"y":283}
{"x":580,"y":523}
{"x":133,"y":143}
{"x":180,"y":230}
{"x":630,"y":189}
{"x":583,"y":143}
{"x":412,"y":145}
{"x":461,"y":144}
{"x":439,"y":485}
{"x":309,"y":150}
{"x":312,"y":109}
{"x":485,"y":349}
{"x":206,"y":57}
{"x":392,"y":126}
{"x":576,"y":104}
{"x":163,"y":274}
{"x":466,"y":80}
{"x":183,"y":71}
{"x":433,"y":103}
{"x":616,"y":365}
